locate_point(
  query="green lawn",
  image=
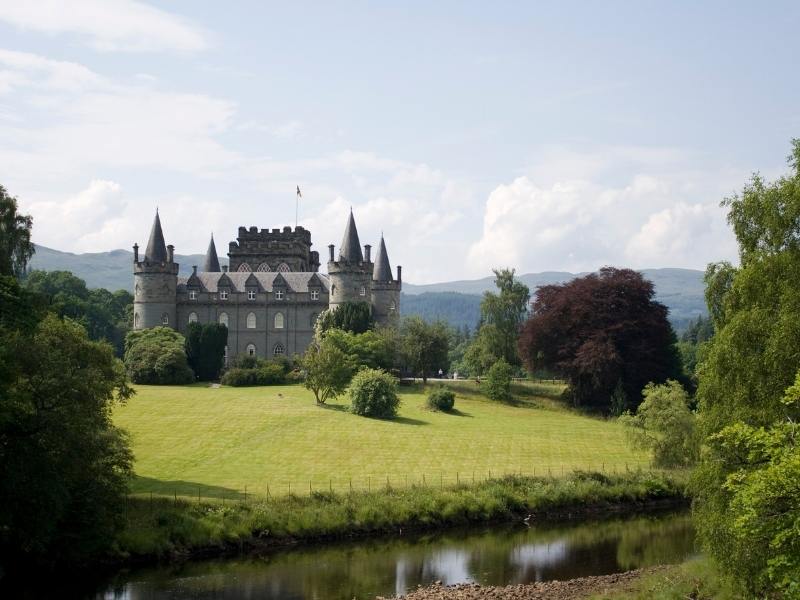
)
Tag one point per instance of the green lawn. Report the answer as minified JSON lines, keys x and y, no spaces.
{"x":216,"y":441}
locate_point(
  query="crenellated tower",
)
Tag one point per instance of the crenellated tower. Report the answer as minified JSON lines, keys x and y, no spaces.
{"x":155,"y":280}
{"x":385,"y":289}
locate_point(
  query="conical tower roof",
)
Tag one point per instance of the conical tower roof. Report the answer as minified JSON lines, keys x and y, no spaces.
{"x":156,"y":251}
{"x":211,"y":263}
{"x":350,"y":250}
{"x":383,"y":270}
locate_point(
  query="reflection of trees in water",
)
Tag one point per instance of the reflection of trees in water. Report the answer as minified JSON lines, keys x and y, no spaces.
{"x":498,"y":555}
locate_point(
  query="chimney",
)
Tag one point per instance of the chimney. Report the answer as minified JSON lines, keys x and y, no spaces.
{"x":136,"y":253}
{"x":194,"y":269}
{"x":170,"y":252}
{"x":330,"y":250}
{"x":367,"y":249}
{"x":399,"y":273}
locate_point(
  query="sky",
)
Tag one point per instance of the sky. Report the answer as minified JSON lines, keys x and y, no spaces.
{"x":534,"y":135}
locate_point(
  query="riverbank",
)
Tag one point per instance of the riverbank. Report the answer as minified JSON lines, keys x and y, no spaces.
{"x":174,"y":529}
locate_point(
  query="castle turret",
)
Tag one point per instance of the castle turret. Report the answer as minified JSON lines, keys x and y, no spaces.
{"x":211,"y":263}
{"x":350,"y":274}
{"x":155,"y":279}
{"x":385,"y":289}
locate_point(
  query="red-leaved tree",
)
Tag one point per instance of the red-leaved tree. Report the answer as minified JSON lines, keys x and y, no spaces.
{"x":605,"y":335}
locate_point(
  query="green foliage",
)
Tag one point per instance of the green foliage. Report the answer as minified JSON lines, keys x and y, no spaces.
{"x":497,"y":385}
{"x":205,"y":349}
{"x":64,"y":467}
{"x":373,"y":393}
{"x":355,"y":317}
{"x":424,"y":346}
{"x":482,"y":353}
{"x":264,"y":372}
{"x":16,"y":248}
{"x":664,"y":424}
{"x":619,"y":400}
{"x":157,"y":356}
{"x":505,"y":311}
{"x":375,"y":348}
{"x":441,"y":398}
{"x":328,"y":370}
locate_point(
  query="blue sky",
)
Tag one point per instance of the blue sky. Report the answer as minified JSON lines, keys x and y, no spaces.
{"x":543,"y":136}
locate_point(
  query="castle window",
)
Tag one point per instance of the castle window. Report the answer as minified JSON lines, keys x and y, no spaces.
{"x":192,"y":295}
{"x":251,"y":320}
{"x":165,"y":319}
{"x":315,"y":294}
{"x":192,"y":317}
{"x":251,"y":294}
{"x":392,"y":306}
{"x":283,"y":268}
{"x":264,"y":268}
{"x":244,"y":268}
{"x":223,"y":319}
{"x":225,"y":355}
{"x":223,"y":294}
{"x":278,"y":294}
{"x":279,"y":349}
{"x":136,"y":320}
{"x":362,"y":291}
{"x":251,"y":350}
{"x":278,"y":320}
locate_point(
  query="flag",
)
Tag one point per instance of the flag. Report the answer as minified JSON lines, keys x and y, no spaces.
{"x":299,"y":195}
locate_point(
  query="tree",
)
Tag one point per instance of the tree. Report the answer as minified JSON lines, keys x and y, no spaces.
{"x":484,"y":350}
{"x":375,"y":348}
{"x":373,"y":393}
{"x":16,"y":248}
{"x":599,"y":330}
{"x":745,"y":484}
{"x":157,"y":356}
{"x":664,"y":424}
{"x":205,"y":349}
{"x":506,"y":311}
{"x":424,"y":347}
{"x":497,"y":385}
{"x":355,"y":317}
{"x":327,"y":369}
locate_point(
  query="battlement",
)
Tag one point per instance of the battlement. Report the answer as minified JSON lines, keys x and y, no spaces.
{"x":284,"y":249}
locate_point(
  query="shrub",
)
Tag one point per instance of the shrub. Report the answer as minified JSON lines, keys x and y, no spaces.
{"x":205,"y":349}
{"x":373,"y":393}
{"x":442,"y":398}
{"x":157,"y":356}
{"x":497,"y":385}
{"x":267,"y":373}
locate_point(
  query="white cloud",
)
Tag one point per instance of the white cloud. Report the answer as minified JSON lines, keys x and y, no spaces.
{"x":108,"y":25}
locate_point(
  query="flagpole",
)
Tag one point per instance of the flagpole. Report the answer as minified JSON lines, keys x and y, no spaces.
{"x":296,"y":208}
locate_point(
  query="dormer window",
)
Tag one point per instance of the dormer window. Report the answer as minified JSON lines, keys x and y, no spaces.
{"x":223,"y":294}
{"x":315,"y":294}
{"x":251,"y":294}
{"x":278,"y":294}
{"x":192,"y":295}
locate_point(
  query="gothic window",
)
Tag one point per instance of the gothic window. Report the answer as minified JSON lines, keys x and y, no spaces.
{"x":279,"y":349}
{"x":315,"y":294}
{"x":313,"y":320}
{"x":362,"y":291}
{"x":137,"y":290}
{"x":192,"y":295}
{"x":278,"y":320}
{"x":251,"y":294}
{"x":278,"y":294}
{"x":392,"y":306}
{"x":136,"y":320}
{"x":244,"y":268}
{"x":165,"y":319}
{"x":283,"y":268}
{"x":225,"y":355}
{"x":223,"y":294}
{"x":251,"y":320}
{"x":223,"y":319}
{"x":251,"y":350}
{"x":193,"y":317}
{"x":264,"y":268}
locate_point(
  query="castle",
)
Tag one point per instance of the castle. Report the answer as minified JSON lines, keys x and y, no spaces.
{"x":271,"y":295}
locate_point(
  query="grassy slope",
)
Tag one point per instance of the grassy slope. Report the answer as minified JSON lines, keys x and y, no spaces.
{"x":219,"y":440}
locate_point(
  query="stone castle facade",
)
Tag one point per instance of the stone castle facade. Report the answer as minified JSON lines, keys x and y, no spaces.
{"x":271,"y":295}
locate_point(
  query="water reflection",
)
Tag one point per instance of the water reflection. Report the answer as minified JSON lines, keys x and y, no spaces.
{"x":497,"y":556}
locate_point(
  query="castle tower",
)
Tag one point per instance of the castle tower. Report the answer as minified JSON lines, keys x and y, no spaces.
{"x":155,"y":279}
{"x":211,"y":263}
{"x":385,"y":289}
{"x":351,"y":272}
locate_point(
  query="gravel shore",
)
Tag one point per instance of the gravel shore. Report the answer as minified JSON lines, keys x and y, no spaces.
{"x":550,"y":590}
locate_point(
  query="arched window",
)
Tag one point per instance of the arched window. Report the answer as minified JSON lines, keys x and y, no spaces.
{"x":244,"y":268}
{"x":313,"y":320}
{"x":223,"y":319}
{"x":225,"y":355}
{"x":264,"y":268}
{"x":164,"y":319}
{"x":251,"y":320}
{"x":278,"y":320}
{"x":279,"y":349}
{"x":136,"y":320}
{"x":283,"y":268}
{"x":192,"y":317}
{"x":251,"y":350}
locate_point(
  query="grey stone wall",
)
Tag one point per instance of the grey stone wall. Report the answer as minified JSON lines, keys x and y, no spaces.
{"x":154,"y":297}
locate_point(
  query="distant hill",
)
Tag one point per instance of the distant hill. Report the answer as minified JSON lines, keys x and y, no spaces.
{"x":457,"y":302}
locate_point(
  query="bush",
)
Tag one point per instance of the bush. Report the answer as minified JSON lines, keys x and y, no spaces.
{"x":442,"y":398}
{"x":497,"y":385}
{"x":157,"y":356}
{"x":373,"y":393}
{"x":267,"y":373}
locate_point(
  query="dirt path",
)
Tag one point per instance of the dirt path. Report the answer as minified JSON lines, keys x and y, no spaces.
{"x":550,"y":590}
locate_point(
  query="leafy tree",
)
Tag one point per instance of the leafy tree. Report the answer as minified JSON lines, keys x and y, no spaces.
{"x":355,"y":317}
{"x":745,"y":485}
{"x":506,"y":311}
{"x":16,"y":248}
{"x":373,"y":393}
{"x":205,"y":349}
{"x":157,"y":356}
{"x":327,"y":369}
{"x":375,"y":348}
{"x":497,"y":385}
{"x":424,"y":347}
{"x":599,"y":330}
{"x":664,"y":424}
{"x":484,"y":350}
